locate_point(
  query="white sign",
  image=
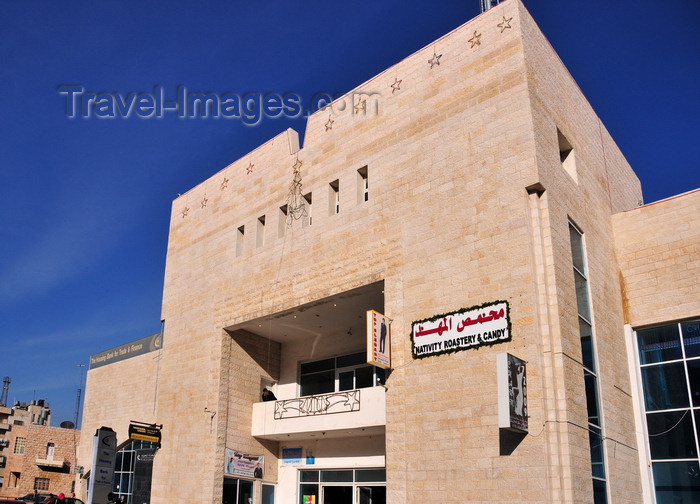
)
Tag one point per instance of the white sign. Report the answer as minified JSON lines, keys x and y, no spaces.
{"x":104,"y":450}
{"x":378,"y":340}
{"x":487,"y":324}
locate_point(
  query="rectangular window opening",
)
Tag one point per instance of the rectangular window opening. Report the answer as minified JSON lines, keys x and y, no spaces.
{"x":308,"y":220}
{"x":282,"y":226}
{"x":567,"y":156}
{"x":20,"y":443}
{"x":41,"y":484}
{"x":362,"y":185}
{"x":260,"y":237}
{"x":334,"y":197}
{"x":592,"y":385}
{"x":239,"y":241}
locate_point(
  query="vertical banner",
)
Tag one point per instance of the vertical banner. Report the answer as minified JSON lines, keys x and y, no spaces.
{"x":378,"y":340}
{"x":104,"y":450}
{"x":512,"y":393}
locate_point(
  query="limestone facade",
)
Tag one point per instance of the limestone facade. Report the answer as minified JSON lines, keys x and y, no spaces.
{"x":448,"y":181}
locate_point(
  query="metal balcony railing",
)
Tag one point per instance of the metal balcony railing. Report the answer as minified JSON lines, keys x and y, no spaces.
{"x":326,"y":404}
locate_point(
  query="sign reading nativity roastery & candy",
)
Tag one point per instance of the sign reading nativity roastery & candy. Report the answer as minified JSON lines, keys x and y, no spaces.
{"x":486,"y":324}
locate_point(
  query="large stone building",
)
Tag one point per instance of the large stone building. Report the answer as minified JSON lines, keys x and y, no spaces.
{"x":470,"y":195}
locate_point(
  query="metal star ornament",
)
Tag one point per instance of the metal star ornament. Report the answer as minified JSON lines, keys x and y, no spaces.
{"x":224,"y":184}
{"x":204,"y":201}
{"x":361,"y":104}
{"x":435,"y":60}
{"x":505,"y":24}
{"x":329,"y":124}
{"x":475,"y":40}
{"x":184,"y":212}
{"x":297,"y":164}
{"x":249,"y":170}
{"x":396,"y":86}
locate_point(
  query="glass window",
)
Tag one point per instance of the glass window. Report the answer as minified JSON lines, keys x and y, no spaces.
{"x":268,"y":494}
{"x":676,"y":481}
{"x":664,"y":386}
{"x":691,"y":339}
{"x":591,"y":398}
{"x":659,"y":344}
{"x":584,"y":309}
{"x":671,"y":435}
{"x":694,"y":380}
{"x":671,"y":390}
{"x":369,"y":475}
{"x":307,"y":476}
{"x":41,"y":483}
{"x":308,"y":493}
{"x":317,"y":383}
{"x":592,"y":387}
{"x":596,"y":443}
{"x":349,"y":371}
{"x":237,"y":491}
{"x":20,"y":443}
{"x":336,"y":476}
{"x":245,"y":491}
{"x":586,"y":344}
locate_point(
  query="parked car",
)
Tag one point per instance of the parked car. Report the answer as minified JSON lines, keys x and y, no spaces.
{"x":32,"y":498}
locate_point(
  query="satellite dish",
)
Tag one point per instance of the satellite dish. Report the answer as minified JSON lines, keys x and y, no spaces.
{"x":67,"y":425}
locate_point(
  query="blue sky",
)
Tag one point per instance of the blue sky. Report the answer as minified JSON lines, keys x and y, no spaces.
{"x":85,"y":204}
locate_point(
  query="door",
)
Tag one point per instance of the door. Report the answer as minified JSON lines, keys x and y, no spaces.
{"x":336,"y":495}
{"x":371,"y":495}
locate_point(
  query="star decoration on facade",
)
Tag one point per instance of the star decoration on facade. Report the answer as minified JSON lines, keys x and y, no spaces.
{"x":297,"y":164}
{"x":249,"y":170}
{"x":396,"y":86}
{"x":435,"y":60}
{"x":184,"y":212}
{"x":224,"y":184}
{"x":329,"y":124}
{"x":475,"y":40}
{"x":504,"y":24}
{"x":204,"y":201}
{"x":361,"y":104}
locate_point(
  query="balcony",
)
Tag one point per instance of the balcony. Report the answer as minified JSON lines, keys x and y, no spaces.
{"x":360,"y":412}
{"x":53,"y":464}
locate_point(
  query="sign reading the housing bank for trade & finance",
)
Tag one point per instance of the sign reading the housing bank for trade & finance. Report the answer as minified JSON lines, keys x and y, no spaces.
{"x":486,"y":324}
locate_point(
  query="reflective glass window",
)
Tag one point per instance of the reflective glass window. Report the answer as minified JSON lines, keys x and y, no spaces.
{"x":664,"y":386}
{"x":659,"y":344}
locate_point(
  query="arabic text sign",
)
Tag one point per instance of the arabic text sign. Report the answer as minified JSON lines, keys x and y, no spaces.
{"x":469,"y":328}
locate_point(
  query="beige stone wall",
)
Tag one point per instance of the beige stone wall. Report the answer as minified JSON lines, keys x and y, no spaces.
{"x":658,"y":249}
{"x":37,"y":438}
{"x":449,"y":224}
{"x":116,"y":394}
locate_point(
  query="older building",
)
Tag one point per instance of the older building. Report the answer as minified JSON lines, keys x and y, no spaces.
{"x":469,"y":197}
{"x":40,"y":458}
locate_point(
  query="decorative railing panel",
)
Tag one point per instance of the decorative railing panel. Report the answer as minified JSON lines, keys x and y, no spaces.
{"x":337,"y":402}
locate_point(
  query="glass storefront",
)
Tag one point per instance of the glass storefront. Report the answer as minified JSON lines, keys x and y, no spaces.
{"x":344,"y":486}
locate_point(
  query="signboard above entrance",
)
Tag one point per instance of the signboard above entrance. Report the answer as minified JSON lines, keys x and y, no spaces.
{"x":145,"y":433}
{"x":486,"y":324}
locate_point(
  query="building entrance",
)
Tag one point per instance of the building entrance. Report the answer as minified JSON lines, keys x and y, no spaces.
{"x":336,"y":495}
{"x":359,"y":486}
